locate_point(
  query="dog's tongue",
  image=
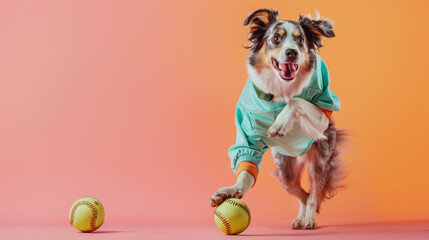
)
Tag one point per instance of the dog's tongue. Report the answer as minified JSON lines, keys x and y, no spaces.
{"x":287,"y":70}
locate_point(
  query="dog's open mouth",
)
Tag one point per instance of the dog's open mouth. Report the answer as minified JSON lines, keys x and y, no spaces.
{"x":287,"y":71}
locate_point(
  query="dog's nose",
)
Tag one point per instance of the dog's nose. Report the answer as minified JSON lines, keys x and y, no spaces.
{"x":291,"y":54}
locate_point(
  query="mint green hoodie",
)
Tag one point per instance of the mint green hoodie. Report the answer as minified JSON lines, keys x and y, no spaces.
{"x":254,"y":116}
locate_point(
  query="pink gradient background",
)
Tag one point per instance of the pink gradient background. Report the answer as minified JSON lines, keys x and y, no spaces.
{"x":132,"y":102}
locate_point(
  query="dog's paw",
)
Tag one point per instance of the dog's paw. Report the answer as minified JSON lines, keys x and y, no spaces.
{"x":274,"y":131}
{"x":309,"y":223}
{"x":279,"y":129}
{"x":223,"y":193}
{"x":297,"y":224}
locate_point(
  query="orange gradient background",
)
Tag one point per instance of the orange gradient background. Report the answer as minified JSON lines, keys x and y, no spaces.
{"x":132,"y":102}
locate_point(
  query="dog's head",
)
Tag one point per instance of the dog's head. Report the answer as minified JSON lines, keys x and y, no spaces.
{"x":285,"y":47}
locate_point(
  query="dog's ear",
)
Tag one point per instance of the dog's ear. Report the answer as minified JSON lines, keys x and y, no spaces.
{"x":259,"y":22}
{"x":314,"y":29}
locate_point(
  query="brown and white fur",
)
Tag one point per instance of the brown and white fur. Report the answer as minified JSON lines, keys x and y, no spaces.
{"x":282,"y":63}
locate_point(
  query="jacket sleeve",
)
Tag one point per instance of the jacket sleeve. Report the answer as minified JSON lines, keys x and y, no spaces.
{"x":327,"y":100}
{"x":246,"y":153}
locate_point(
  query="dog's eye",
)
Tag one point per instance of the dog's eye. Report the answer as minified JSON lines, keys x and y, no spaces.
{"x":300,"y":40}
{"x":276,"y":39}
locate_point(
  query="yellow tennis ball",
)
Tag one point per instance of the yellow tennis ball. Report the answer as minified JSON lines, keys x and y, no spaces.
{"x":86,"y":214}
{"x":232,"y":216}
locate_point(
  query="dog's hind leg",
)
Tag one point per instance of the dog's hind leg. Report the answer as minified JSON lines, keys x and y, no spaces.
{"x":326,"y":171}
{"x":289,"y":172}
{"x":316,"y":171}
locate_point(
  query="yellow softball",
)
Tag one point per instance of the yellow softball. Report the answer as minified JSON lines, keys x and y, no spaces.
{"x":232,"y":216}
{"x":86,"y":214}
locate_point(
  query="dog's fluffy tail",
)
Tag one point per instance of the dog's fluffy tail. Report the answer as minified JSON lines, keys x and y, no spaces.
{"x":335,"y":170}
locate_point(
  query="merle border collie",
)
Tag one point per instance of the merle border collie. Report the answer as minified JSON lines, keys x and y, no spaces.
{"x":281,"y":63}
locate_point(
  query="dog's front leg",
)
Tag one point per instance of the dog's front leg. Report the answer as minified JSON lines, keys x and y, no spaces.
{"x":311,"y":119}
{"x":244,"y":182}
{"x":283,"y":122}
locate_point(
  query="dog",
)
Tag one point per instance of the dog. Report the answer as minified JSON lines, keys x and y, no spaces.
{"x":287,"y":105}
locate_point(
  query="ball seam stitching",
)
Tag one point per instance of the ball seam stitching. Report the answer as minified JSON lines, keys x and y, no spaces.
{"x":245,"y":208}
{"x":224,"y":221}
{"x":93,"y":210}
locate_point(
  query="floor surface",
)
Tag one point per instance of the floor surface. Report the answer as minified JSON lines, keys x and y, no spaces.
{"x":367,"y":231}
